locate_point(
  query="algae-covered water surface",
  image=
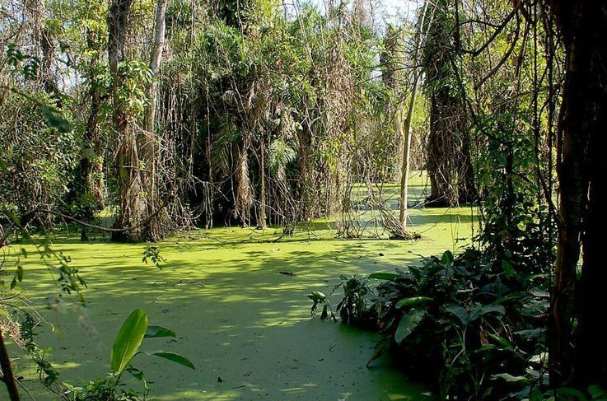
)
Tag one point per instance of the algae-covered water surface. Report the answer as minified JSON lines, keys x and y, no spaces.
{"x":237,"y":301}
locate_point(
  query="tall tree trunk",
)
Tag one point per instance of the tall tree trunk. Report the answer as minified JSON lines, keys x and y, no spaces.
{"x":406,"y":132}
{"x":155,"y":61}
{"x":148,"y":139}
{"x":7,"y":373}
{"x":90,"y":181}
{"x":581,"y":357}
{"x":446,"y":140}
{"x":132,"y":206}
{"x":48,"y":58}
{"x":442,"y":149}
{"x":262,"y":218}
{"x":243,"y":197}
{"x":304,"y":183}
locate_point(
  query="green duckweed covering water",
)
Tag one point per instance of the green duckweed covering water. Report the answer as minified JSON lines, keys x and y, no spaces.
{"x":244,"y":324}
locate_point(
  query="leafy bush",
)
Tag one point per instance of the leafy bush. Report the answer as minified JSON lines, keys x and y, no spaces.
{"x":468,"y":315}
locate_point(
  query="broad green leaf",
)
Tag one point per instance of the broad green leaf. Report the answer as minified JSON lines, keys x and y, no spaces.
{"x":408,"y":323}
{"x":502,"y":341}
{"x":128,"y":340}
{"x":485,"y":309}
{"x":570,"y":393}
{"x":412,"y":301}
{"x":531,"y":333}
{"x":158,"y":331}
{"x":171,"y":356}
{"x":507,"y":268}
{"x":384,"y":276}
{"x":510,"y":378}
{"x":447,"y":258}
{"x":597,"y":392}
{"x":317,"y":296}
{"x":459,"y":312}
{"x":539,"y":293}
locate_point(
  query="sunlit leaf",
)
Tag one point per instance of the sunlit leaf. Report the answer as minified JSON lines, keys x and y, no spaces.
{"x":408,"y":323}
{"x":178,"y":359}
{"x":447,"y":258}
{"x":158,"y":331}
{"x":128,"y":340}
{"x":510,"y":378}
{"x":412,"y":301}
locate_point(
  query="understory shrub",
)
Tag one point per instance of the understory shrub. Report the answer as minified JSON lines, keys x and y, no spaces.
{"x":471,"y":324}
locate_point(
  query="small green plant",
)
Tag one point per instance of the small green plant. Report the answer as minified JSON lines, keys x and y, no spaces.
{"x":126,"y":347}
{"x":152,"y":253}
{"x":354,"y":307}
{"x":319,"y":299}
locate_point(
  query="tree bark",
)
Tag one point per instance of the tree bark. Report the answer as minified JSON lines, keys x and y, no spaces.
{"x":580,"y":357}
{"x":304,"y":183}
{"x":148,"y":139}
{"x":91,"y":186}
{"x":262,"y":219}
{"x":405,"y":130}
{"x":448,"y":150}
{"x":243,"y":197}
{"x":442,"y":149}
{"x":7,"y":372}
{"x":132,"y":206}
{"x":407,"y":134}
{"x":155,"y":61}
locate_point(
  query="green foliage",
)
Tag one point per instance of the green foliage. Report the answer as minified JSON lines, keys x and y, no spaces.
{"x":353,"y":307}
{"x":39,"y":154}
{"x":516,"y":226}
{"x":480,"y":325}
{"x":135,"y":77}
{"x":320,"y":299}
{"x":408,"y":323}
{"x":152,"y":253}
{"x":281,"y":154}
{"x":126,"y":346}
{"x":173,"y":357}
{"x":100,"y":390}
{"x":128,"y":340}
{"x":22,"y":64}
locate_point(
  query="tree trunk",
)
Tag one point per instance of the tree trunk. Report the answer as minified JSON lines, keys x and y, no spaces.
{"x":243,"y":197}
{"x":132,"y":206}
{"x":7,"y":373}
{"x":406,"y":134}
{"x":580,"y":357}
{"x":262,"y":218}
{"x":304,"y":183}
{"x":91,"y":186}
{"x":155,"y":61}
{"x":446,"y":161}
{"x":147,"y":138}
{"x":405,"y":131}
{"x":442,"y":150}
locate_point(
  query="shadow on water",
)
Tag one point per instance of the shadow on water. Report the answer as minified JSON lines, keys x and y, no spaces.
{"x":242,"y":321}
